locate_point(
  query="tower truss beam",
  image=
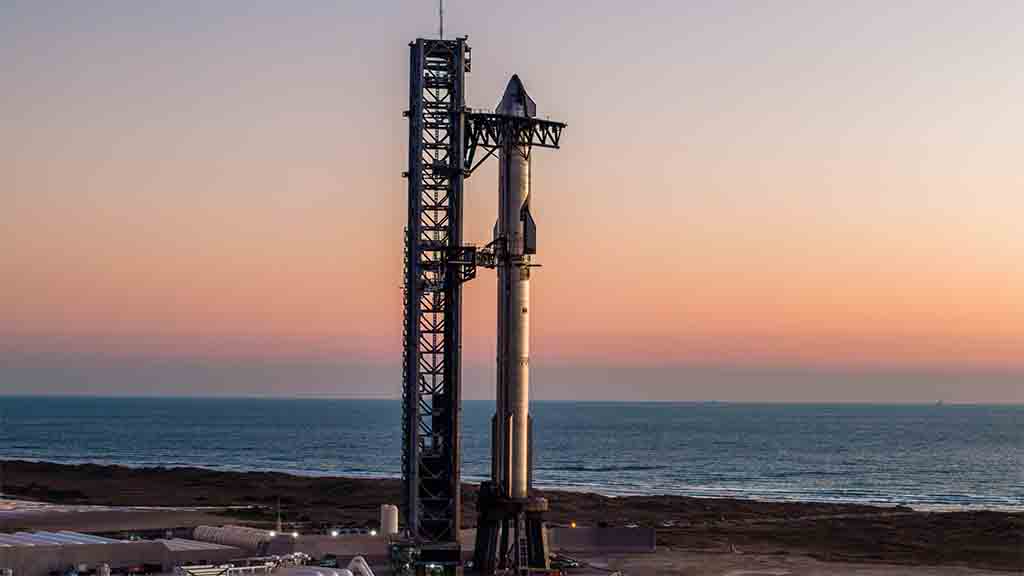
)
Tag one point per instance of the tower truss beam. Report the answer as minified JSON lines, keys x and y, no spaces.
{"x":431,"y":387}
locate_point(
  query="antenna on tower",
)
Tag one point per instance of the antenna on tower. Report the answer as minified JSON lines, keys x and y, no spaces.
{"x":440,"y":16}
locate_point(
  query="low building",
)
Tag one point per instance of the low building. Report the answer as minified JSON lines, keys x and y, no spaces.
{"x":39,"y":553}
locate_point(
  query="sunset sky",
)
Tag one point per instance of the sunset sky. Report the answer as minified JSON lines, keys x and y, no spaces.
{"x":787,"y":201}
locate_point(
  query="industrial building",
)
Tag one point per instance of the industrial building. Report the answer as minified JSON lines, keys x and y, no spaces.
{"x":40,"y":553}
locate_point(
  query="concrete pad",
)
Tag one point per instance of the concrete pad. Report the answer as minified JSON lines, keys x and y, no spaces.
{"x":615,"y":539}
{"x":317,"y":545}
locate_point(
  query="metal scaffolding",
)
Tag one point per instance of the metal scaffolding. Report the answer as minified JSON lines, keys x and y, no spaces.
{"x":431,"y":501}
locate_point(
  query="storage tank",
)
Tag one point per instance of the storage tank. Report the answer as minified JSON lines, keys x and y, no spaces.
{"x":242,"y":537}
{"x":313,"y":571}
{"x":359,"y":567}
{"x":388,"y":519}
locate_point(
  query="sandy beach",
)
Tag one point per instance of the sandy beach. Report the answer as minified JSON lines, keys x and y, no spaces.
{"x":718,"y":528}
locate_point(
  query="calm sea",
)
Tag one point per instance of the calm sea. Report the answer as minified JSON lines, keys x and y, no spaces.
{"x":922,"y":456}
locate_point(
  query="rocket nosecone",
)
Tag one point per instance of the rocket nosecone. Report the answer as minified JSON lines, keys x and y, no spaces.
{"x":517,"y":230}
{"x":515,"y":101}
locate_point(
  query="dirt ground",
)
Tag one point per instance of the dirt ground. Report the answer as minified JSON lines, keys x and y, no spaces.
{"x":697,"y":563}
{"x":714,"y":530}
{"x":108,"y":521}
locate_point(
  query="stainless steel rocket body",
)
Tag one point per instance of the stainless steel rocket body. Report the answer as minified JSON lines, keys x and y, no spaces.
{"x":513,"y":391}
{"x":510,"y":528}
{"x":513,"y":233}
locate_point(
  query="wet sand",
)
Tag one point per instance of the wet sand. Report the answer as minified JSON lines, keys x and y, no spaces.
{"x":725,"y":528}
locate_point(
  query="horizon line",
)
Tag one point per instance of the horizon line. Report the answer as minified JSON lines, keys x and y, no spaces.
{"x":936,"y":403}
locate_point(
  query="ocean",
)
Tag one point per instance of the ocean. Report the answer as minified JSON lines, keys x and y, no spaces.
{"x":927,"y":457}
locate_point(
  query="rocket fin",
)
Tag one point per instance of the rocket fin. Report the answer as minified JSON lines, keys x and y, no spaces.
{"x":529,"y":229}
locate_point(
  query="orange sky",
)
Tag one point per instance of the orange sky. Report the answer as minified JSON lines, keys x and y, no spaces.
{"x":836,"y":187}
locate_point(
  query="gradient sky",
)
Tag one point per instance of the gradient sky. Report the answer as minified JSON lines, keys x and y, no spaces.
{"x":755,"y":200}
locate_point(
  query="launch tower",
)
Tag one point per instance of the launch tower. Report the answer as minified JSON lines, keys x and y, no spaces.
{"x":431,"y":500}
{"x":447,"y":142}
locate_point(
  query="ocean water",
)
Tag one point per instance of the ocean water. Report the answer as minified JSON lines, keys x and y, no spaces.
{"x":927,"y":457}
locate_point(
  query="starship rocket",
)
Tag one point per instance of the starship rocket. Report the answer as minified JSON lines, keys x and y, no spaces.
{"x":515,"y":232}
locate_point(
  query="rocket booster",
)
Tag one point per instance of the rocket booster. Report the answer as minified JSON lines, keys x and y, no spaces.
{"x":517,"y":234}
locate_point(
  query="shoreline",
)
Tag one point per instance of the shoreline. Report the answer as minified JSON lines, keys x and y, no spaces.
{"x":575,"y":489}
{"x":823,"y":531}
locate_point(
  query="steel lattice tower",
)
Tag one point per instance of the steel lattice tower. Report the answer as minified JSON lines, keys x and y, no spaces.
{"x":431,"y":501}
